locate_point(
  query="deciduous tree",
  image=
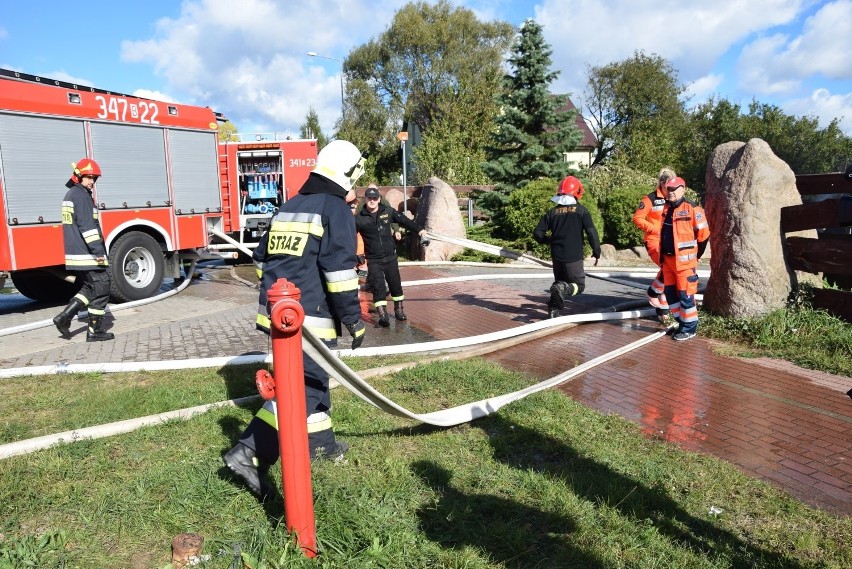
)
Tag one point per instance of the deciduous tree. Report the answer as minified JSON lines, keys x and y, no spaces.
{"x":799,"y":141}
{"x":636,"y":111}
{"x":228,"y":132}
{"x":434,"y":61}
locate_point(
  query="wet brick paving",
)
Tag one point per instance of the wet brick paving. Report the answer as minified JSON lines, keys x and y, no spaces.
{"x":784,"y":424}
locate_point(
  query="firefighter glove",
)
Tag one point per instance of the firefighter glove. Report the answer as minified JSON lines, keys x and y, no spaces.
{"x":358,"y":331}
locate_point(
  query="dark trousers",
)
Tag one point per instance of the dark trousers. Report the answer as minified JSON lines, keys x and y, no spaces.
{"x":572,"y":272}
{"x":262,"y":438}
{"x":95,"y":290}
{"x":381,"y":270}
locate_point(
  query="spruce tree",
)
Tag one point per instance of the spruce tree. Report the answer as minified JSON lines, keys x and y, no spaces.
{"x":311,"y":129}
{"x":531,"y":135}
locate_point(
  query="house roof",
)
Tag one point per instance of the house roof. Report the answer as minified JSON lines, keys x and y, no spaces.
{"x":589,"y":139}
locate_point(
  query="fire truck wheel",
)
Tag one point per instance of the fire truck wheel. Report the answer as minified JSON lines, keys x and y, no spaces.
{"x":44,"y":286}
{"x":136,"y":267}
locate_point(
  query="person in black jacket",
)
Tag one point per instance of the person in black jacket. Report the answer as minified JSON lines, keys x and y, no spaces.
{"x":85,"y":253}
{"x":311,"y":243}
{"x":373,"y":222}
{"x":567,"y":222}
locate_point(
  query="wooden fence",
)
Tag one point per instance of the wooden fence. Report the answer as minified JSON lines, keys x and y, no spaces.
{"x":829,"y":211}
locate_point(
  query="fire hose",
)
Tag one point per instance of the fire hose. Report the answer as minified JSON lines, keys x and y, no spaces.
{"x":111,"y":308}
{"x":330,"y":361}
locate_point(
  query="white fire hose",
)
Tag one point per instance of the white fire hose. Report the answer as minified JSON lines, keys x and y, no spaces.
{"x":111,"y":308}
{"x":330,"y":361}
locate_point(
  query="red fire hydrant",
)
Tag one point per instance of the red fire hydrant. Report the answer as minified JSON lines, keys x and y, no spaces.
{"x":288,"y":389}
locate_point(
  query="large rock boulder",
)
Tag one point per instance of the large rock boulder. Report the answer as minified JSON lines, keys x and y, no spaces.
{"x":747,"y":185}
{"x":394,"y":198}
{"x":438,"y":212}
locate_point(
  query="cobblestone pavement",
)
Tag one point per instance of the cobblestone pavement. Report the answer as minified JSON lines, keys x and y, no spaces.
{"x":213,"y":316}
{"x":784,"y":424}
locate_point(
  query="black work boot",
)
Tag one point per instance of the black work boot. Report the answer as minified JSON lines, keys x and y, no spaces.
{"x":557,"y":295}
{"x":397,"y":311}
{"x":557,"y":299}
{"x":62,"y":321}
{"x":334,"y":452}
{"x":384,"y":319}
{"x":242,"y":461}
{"x":95,"y":333}
{"x":552,"y":311}
{"x":323,"y":445}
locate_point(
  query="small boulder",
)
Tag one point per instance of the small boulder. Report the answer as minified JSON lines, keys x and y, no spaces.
{"x":438,"y":212}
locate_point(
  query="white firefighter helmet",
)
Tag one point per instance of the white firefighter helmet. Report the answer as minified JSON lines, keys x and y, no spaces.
{"x":341,"y":162}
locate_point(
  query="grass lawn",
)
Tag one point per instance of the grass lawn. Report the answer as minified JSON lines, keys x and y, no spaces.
{"x":543,"y":483}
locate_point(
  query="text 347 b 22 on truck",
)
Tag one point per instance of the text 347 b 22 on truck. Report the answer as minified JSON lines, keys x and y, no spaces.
{"x":170,"y":191}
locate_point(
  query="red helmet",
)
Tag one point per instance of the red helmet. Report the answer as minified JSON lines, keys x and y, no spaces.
{"x":570,"y":186}
{"x":675,"y":183}
{"x":85,"y":167}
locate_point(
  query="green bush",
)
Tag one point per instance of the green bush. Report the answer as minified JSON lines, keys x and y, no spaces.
{"x":522,"y":211}
{"x":618,"y":211}
{"x":601,"y":181}
{"x":591,"y":204}
{"x":525,"y":207}
{"x":484,"y":234}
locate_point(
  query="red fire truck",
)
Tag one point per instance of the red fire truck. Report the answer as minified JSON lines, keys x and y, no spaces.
{"x":168,"y":185}
{"x":258,"y":174}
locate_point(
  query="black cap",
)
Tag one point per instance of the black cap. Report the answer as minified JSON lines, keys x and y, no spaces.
{"x":372,"y":193}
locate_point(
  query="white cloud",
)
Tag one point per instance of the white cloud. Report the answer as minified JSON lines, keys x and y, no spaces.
{"x":761,"y":72}
{"x":68,"y":78}
{"x":822,"y":47}
{"x":249,"y":61}
{"x":826,"y":106}
{"x":691,"y":34}
{"x":763,"y":49}
{"x":155,"y":95}
{"x":776,"y":64}
{"x":703,"y":87}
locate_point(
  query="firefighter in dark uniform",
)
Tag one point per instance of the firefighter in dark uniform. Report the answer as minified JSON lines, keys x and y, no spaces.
{"x":567,"y":222}
{"x":311,"y":243}
{"x":85,"y":252}
{"x":374,"y":222}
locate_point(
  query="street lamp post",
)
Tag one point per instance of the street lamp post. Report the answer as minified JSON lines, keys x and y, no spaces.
{"x":403,"y":138}
{"x":340,"y":61}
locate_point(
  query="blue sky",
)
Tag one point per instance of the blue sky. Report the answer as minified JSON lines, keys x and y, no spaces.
{"x":247,"y":58}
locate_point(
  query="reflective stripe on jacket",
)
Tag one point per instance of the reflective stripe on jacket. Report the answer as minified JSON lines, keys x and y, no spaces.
{"x":689,"y":228}
{"x":311,"y":243}
{"x":81,"y":231}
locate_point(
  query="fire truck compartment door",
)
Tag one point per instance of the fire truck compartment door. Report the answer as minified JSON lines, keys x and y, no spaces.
{"x":133,"y":161}
{"x":195,"y":171}
{"x":36,"y":155}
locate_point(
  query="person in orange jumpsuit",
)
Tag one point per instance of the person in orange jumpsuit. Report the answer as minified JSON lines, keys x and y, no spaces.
{"x":684,"y":235}
{"x":647,"y":218}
